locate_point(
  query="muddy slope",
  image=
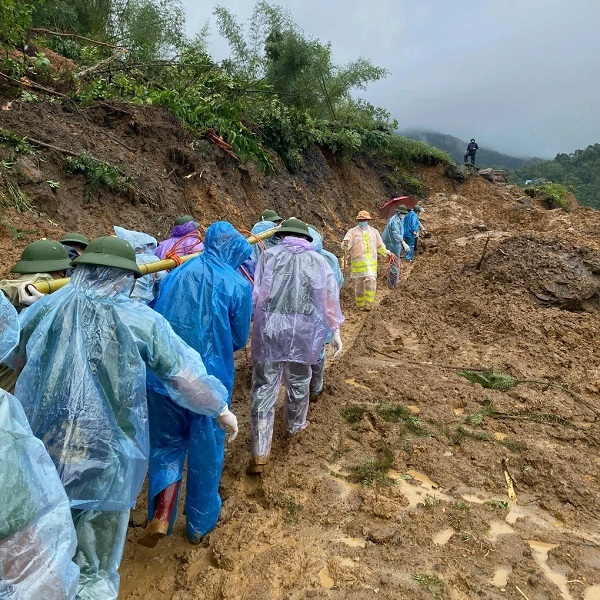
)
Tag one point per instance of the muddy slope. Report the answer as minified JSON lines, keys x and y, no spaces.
{"x":397,"y":489}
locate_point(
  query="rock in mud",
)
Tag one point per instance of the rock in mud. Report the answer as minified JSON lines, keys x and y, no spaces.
{"x":381,"y":535}
{"x":27,"y":171}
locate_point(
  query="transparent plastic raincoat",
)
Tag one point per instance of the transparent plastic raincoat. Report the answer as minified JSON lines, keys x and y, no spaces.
{"x":318,"y":369}
{"x":393,"y":234}
{"x":363,"y":246}
{"x":296,"y":303}
{"x":146,"y":287}
{"x":37,"y":539}
{"x":185,"y":239}
{"x":85,"y":351}
{"x":209,"y":305}
{"x":260,"y":227}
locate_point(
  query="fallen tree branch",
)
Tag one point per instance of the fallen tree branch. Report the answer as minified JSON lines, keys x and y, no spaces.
{"x":120,"y":52}
{"x":422,"y":363}
{"x":27,"y":83}
{"x":51,"y":147}
{"x":43,"y":31}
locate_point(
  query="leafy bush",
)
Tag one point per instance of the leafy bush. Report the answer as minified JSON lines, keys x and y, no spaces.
{"x":554,"y":195}
{"x":97,"y":173}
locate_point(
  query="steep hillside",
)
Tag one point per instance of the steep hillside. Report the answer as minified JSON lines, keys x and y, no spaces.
{"x":398,"y":489}
{"x":455,"y":147}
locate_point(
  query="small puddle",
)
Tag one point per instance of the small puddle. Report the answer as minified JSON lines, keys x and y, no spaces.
{"x":414,"y":409}
{"x":347,"y":562}
{"x":443,"y":536}
{"x":592,"y":593}
{"x":501,"y":576}
{"x":472,"y":498}
{"x":423,"y":479}
{"x":458,"y":411}
{"x":326,"y":580}
{"x":498,"y":528}
{"x":345,"y":487}
{"x":352,"y":542}
{"x":499,"y":436}
{"x":540,"y":554}
{"x":356,"y":384}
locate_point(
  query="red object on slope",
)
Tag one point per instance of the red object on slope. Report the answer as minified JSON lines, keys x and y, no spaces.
{"x":389,"y":208}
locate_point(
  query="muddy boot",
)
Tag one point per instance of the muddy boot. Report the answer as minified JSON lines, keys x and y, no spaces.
{"x":257,"y":465}
{"x":159,"y":526}
{"x":314,"y":396}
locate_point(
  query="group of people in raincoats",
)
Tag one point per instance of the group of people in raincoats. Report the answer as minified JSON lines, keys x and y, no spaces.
{"x":118,"y":370}
{"x":119,"y":373}
{"x":363,"y":245}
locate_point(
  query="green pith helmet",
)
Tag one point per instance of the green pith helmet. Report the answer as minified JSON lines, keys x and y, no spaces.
{"x":402,"y":209}
{"x":74,"y":238}
{"x":270,"y":215}
{"x":183,"y":219}
{"x":109,"y":251}
{"x":294,"y":226}
{"x":45,"y":256}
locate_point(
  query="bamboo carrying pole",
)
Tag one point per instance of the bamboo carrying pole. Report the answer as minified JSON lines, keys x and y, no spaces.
{"x":47,"y":287}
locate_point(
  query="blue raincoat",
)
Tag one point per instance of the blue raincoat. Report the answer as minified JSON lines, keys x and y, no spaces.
{"x":209,"y":305}
{"x":37,"y":538}
{"x":296,"y":304}
{"x":411,"y":226}
{"x":393,"y":234}
{"x":260,"y":227}
{"x":85,"y":350}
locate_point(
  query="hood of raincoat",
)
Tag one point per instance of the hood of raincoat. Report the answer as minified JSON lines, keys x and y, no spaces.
{"x":141,"y":242}
{"x":9,"y":327}
{"x":295,"y":245}
{"x":317,"y":241}
{"x":224,"y":243}
{"x":85,"y":351}
{"x":181,"y":230}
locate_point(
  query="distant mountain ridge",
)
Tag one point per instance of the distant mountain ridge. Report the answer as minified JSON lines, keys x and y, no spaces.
{"x":456,"y":147}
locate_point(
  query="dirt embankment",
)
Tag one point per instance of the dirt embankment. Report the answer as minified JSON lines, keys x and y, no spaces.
{"x":397,"y":489}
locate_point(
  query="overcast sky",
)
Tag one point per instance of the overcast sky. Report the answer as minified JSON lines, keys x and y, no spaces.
{"x":521,"y":76}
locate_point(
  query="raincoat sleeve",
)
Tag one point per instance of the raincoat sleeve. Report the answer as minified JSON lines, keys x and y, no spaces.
{"x":240,"y":315}
{"x":348,"y":240}
{"x":381,"y":249}
{"x":397,"y":231}
{"x":180,"y":369}
{"x":334,"y":311}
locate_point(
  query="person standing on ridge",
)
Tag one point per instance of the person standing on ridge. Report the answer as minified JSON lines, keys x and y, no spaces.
{"x":209,"y":305}
{"x":296,"y":306}
{"x":363,"y":243}
{"x":471,"y":151}
{"x":185,"y":239}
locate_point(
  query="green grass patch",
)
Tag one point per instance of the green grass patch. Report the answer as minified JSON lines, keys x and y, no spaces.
{"x":374,"y":472}
{"x":354,"y":413}
{"x":430,"y":582}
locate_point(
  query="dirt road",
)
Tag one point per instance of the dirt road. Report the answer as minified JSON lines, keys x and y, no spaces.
{"x":397,"y":489}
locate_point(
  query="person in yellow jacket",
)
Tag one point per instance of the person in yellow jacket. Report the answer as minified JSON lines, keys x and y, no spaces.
{"x":362,"y":244}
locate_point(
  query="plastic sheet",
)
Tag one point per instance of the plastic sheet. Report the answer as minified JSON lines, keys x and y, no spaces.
{"x":296,"y":304}
{"x":318,"y":371}
{"x":209,"y":305}
{"x":100,"y":541}
{"x":184,"y":239}
{"x":83,"y":385}
{"x":257,"y":249}
{"x":266,"y":378}
{"x":146,"y":287}
{"x":363,"y":246}
{"x":37,"y":539}
{"x":332,"y":259}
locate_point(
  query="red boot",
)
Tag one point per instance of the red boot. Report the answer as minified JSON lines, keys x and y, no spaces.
{"x":158,"y":527}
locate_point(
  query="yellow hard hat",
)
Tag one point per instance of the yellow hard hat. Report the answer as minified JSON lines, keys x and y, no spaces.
{"x":363,"y":215}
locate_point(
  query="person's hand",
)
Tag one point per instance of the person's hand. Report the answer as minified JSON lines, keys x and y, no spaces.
{"x":28,"y":295}
{"x":405,"y":246}
{"x":388,"y":253}
{"x":336,"y":344}
{"x":227,"y":420}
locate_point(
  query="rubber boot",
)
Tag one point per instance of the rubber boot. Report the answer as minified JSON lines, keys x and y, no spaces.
{"x":158,"y":527}
{"x":257,"y":465}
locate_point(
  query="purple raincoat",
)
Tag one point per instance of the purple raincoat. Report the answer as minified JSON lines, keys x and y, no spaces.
{"x":296,"y":303}
{"x":179,"y":243}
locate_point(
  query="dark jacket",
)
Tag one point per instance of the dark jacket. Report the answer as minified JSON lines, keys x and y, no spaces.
{"x":472,"y":148}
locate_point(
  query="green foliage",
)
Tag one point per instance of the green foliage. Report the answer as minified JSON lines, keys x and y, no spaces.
{"x":490,"y":379}
{"x":395,"y":413}
{"x":18,"y":143}
{"x":460,"y":505}
{"x":13,"y":197}
{"x":430,"y":501}
{"x":499,"y":504}
{"x":374,"y":471}
{"x":290,"y":507}
{"x":430,"y":582}
{"x":354,"y":413}
{"x":16,"y":233}
{"x":15,"y":19}
{"x":578,"y":171}
{"x":97,"y":173}
{"x":554,"y":195}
